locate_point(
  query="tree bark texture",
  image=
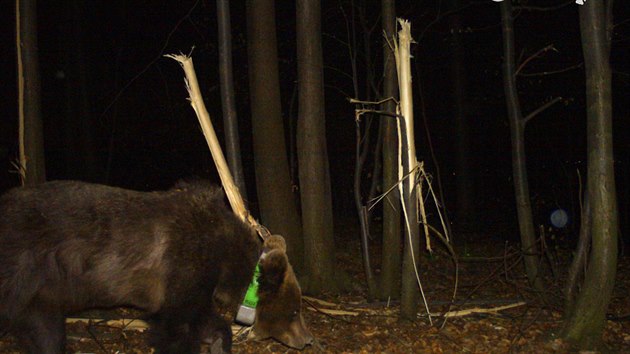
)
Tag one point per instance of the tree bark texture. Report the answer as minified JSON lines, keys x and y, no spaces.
{"x":584,"y":326}
{"x":580,"y":257}
{"x":277,"y":204}
{"x":409,"y":292}
{"x":228,"y":105}
{"x":32,"y":154}
{"x":519,"y":170}
{"x":391,"y":265}
{"x":315,"y":190}
{"x":362,"y":146}
{"x":464,"y":180}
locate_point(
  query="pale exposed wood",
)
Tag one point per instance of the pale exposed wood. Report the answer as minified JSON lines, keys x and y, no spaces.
{"x":334,"y":312}
{"x":196,"y":101}
{"x":318,"y":301}
{"x":31,"y":165}
{"x":402,"y":54}
{"x":403,"y":59}
{"x":477,"y":310}
{"x":126,"y":324}
{"x":357,"y":311}
{"x":20,"y":166}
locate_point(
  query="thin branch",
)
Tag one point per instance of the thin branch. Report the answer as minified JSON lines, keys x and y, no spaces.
{"x":559,"y":71}
{"x":373,"y":202}
{"x":440,"y":16}
{"x":621,"y":23}
{"x":540,"y":109}
{"x":544,"y":8}
{"x":375,"y":103}
{"x":336,"y":39}
{"x":339,"y":71}
{"x":533,"y":56}
{"x":478,"y":310}
{"x":157,"y":57}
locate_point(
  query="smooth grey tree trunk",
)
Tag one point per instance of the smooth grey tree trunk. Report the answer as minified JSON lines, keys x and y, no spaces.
{"x":585,"y":325}
{"x":33,"y":135}
{"x":463,"y":157}
{"x":228,"y":104}
{"x":277,"y":204}
{"x":391,"y":264}
{"x":315,"y":190}
{"x":580,"y":259}
{"x":519,"y":169}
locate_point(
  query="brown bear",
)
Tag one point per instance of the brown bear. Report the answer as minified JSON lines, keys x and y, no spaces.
{"x":279,"y":319}
{"x":179,"y":255}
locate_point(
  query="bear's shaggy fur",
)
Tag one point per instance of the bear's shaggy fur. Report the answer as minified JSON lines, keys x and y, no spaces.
{"x":179,"y":255}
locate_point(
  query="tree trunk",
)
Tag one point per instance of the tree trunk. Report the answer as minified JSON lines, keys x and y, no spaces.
{"x":517,"y":132}
{"x":390,"y":272}
{"x":31,"y":127}
{"x":277,"y":205}
{"x":464,"y":183}
{"x":580,"y":257}
{"x":584,"y":326}
{"x":315,"y":191}
{"x":230,"y":118}
{"x":409,"y":292}
{"x":362,"y":147}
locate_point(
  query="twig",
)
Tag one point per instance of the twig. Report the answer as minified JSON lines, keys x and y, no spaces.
{"x":374,"y":103}
{"x":157,"y":57}
{"x":553,"y":72}
{"x":540,"y":109}
{"x":542,"y":8}
{"x":94,"y":337}
{"x":477,"y":310}
{"x":126,"y":324}
{"x":333,"y":312}
{"x":533,"y":56}
{"x":439,"y":17}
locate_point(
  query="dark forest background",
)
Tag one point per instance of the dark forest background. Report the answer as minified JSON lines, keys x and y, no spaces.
{"x":141,"y":132}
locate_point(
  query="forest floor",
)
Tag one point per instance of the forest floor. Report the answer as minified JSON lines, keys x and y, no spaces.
{"x":349,"y":324}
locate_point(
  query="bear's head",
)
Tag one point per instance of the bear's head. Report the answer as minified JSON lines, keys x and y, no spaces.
{"x":278,"y":313}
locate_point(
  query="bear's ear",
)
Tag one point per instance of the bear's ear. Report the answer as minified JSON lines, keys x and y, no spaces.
{"x":273,"y":266}
{"x":275,"y":242}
